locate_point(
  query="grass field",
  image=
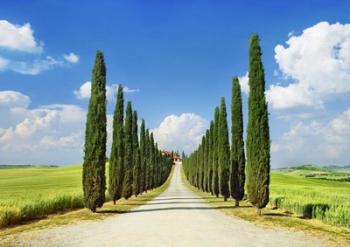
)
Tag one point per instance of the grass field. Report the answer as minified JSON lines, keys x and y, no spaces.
{"x":313,"y":192}
{"x":35,"y":192}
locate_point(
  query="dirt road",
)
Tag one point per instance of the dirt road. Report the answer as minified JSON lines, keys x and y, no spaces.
{"x":175,"y":218}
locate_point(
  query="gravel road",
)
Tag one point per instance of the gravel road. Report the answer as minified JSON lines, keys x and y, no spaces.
{"x":176,"y":218}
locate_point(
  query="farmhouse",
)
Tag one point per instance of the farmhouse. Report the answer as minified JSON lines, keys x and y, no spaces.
{"x":174,"y":156}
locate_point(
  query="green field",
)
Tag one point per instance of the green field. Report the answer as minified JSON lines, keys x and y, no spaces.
{"x":313,"y":192}
{"x":33,"y":192}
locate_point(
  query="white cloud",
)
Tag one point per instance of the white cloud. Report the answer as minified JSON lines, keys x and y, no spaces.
{"x":48,"y":134}
{"x":318,"y":61}
{"x":13,"y":99}
{"x":3,"y":63}
{"x":244,"y":82}
{"x":51,"y":134}
{"x":183,"y":132}
{"x":71,"y":57}
{"x":84,"y":91}
{"x":129,"y":90}
{"x":17,"y":37}
{"x":35,"y":67}
{"x":21,"y":39}
{"x":317,"y":142}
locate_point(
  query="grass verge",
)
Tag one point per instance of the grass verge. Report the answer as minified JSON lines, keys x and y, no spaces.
{"x":276,"y":218}
{"x":71,"y":217}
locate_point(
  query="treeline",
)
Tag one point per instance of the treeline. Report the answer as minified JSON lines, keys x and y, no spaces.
{"x":221,"y":169}
{"x":136,"y":165}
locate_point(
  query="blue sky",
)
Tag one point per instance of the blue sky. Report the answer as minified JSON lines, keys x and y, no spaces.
{"x":176,"y":57}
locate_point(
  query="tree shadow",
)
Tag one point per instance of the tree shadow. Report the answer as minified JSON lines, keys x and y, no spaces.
{"x":276,"y":214}
{"x":179,"y":198}
{"x":165,"y":203}
{"x":161,"y":209}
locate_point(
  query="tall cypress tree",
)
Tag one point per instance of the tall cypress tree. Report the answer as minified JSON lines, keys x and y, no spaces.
{"x":116,"y":161}
{"x":142,"y":157}
{"x":237,"y":173}
{"x":94,"y":180}
{"x":127,"y":185}
{"x":258,"y":136}
{"x":216,"y":153}
{"x":206,"y":161}
{"x":136,"y":157}
{"x":147,"y":160}
{"x":151,"y":160}
{"x":224,"y":152}
{"x":211,"y":157}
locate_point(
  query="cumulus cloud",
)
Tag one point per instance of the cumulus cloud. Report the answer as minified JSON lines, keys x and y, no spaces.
{"x":17,"y":37}
{"x":244,"y":82}
{"x":317,"y":142}
{"x":84,"y":91}
{"x":21,"y":39}
{"x":71,"y":57}
{"x":44,"y":134}
{"x":13,"y":99}
{"x":318,"y":63}
{"x":183,"y":132}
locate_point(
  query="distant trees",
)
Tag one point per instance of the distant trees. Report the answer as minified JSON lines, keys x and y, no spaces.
{"x":222,"y":167}
{"x":94,"y":180}
{"x":135,"y":165}
{"x":258,"y":135}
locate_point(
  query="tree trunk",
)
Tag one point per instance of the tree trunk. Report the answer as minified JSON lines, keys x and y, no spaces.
{"x":258,"y":211}
{"x":225,"y":199}
{"x":113,"y":202}
{"x":237,"y":203}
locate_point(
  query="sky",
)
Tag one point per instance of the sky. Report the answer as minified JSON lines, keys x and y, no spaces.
{"x":175,"y":60}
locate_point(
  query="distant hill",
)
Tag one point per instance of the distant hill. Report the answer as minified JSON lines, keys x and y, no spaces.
{"x":334,"y":173}
{"x":24,"y":166}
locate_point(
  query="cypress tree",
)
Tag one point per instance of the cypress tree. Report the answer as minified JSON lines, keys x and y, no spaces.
{"x":116,"y":161}
{"x":206,"y":162}
{"x":258,"y":136}
{"x":237,"y":173}
{"x":136,"y":157}
{"x":215,"y":153}
{"x":142,"y":157}
{"x":94,"y":180}
{"x":211,"y":157}
{"x":147,"y":160}
{"x":224,"y":152}
{"x":151,"y":160}
{"x":127,"y":185}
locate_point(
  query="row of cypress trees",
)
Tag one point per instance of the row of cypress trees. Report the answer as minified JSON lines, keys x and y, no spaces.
{"x":215,"y":167}
{"x":136,"y":164}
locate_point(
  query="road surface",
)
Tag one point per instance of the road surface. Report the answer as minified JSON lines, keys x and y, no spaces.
{"x":175,"y":218}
